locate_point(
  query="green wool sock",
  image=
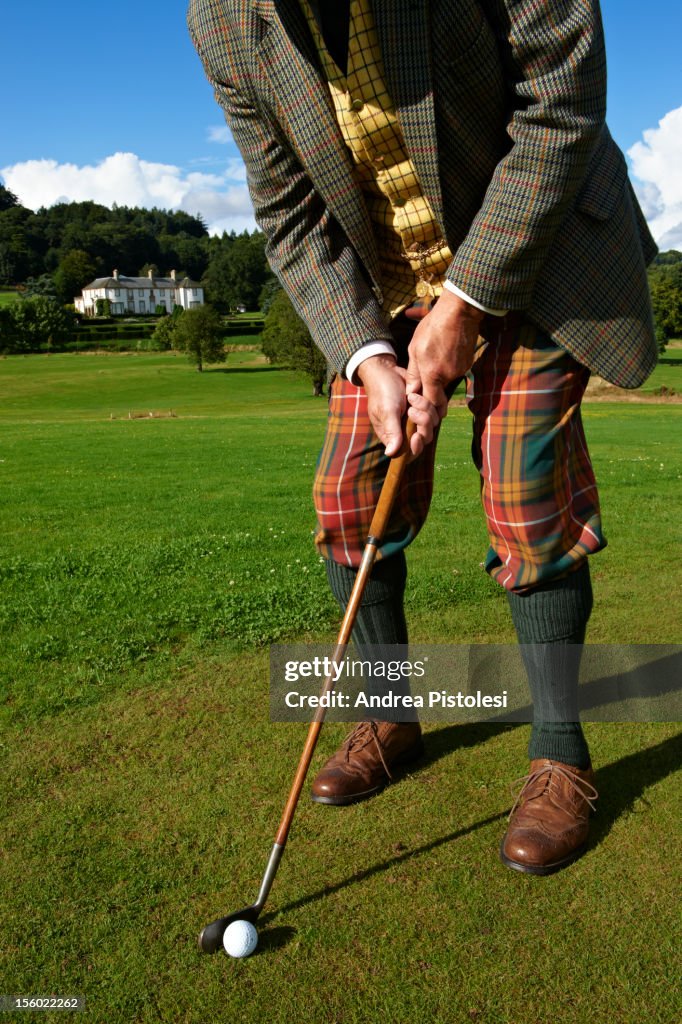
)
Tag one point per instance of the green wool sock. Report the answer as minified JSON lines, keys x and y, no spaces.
{"x":550,"y":623}
{"x":381,"y":618}
{"x":380,"y":623}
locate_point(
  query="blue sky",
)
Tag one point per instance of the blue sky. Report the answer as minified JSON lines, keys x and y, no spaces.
{"x":82,"y":82}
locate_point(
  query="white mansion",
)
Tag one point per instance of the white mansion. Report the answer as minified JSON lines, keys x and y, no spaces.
{"x":139,"y":294}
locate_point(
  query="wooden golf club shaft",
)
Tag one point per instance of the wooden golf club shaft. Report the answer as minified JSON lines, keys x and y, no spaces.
{"x":377,"y":528}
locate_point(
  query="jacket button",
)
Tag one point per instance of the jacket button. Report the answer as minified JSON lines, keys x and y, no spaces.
{"x":357,"y":104}
{"x":399,"y":202}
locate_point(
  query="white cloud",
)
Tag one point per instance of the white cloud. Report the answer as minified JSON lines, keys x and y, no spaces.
{"x":656,"y":163}
{"x":123,"y":178}
{"x":235,"y":170}
{"x":218,"y":133}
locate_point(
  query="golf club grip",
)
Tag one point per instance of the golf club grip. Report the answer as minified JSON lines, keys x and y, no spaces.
{"x":382,"y":513}
{"x":391,"y":485}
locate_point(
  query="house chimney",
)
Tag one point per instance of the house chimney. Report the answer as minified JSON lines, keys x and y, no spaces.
{"x":172,"y":275}
{"x":150,"y":274}
{"x":116,"y":275}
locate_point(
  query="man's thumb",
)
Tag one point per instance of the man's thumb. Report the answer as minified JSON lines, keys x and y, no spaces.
{"x":392,"y":436}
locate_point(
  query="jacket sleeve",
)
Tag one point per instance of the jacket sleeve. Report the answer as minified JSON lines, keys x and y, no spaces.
{"x":306,"y":247}
{"x":554,"y":61}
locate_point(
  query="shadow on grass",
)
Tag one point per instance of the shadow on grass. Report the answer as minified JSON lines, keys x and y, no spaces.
{"x":275,"y":938}
{"x":377,"y":869}
{"x":609,"y":697}
{"x":622,"y":783}
{"x":441,"y":742}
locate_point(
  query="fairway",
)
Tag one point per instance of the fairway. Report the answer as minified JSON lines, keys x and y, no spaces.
{"x":156,"y":538}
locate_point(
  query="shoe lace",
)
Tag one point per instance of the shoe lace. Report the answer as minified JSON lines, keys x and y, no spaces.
{"x":582,"y":787}
{"x":361,"y":736}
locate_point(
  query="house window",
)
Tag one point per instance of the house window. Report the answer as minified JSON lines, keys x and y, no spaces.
{"x":117,"y":292}
{"x":142,"y":308}
{"x":140,"y":291}
{"x":195,"y":291}
{"x":117,"y":308}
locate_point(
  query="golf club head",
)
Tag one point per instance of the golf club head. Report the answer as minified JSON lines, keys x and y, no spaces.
{"x":211,"y":938}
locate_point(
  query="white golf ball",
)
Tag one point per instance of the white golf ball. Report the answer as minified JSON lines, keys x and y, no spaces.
{"x":240,"y":939}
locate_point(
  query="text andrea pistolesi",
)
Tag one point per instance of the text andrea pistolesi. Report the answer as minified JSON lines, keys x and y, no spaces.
{"x":391,"y":671}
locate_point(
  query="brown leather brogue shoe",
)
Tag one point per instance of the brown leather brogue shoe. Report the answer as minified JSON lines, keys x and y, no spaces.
{"x":548,"y":824}
{"x":362,"y":765}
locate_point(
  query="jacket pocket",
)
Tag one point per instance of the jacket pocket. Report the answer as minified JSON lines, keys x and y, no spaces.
{"x":475,"y":57}
{"x":605,"y":181}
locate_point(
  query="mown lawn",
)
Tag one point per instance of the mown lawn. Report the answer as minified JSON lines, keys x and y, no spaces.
{"x":8,"y":296}
{"x":146,"y":564}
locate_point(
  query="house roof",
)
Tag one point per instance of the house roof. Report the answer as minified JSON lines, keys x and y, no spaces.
{"x":100,"y":282}
{"x":131,"y":283}
{"x":139,"y":282}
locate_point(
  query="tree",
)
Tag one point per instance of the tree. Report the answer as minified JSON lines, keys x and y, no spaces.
{"x":40,"y":287}
{"x":9,"y":337}
{"x":267,"y":294}
{"x":75,"y":270}
{"x":237,"y":270}
{"x":7,"y":199}
{"x":665,"y":284}
{"x":286,"y":340}
{"x":190,"y":255}
{"x":22,"y":248}
{"x":39,"y":322}
{"x":7,"y":264}
{"x":126,"y":238}
{"x":144,"y":270}
{"x":164,"y":333}
{"x":201,"y":334}
{"x":665,"y":258}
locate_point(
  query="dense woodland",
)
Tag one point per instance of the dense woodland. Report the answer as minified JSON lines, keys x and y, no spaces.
{"x":665,"y":282}
{"x":73,"y":243}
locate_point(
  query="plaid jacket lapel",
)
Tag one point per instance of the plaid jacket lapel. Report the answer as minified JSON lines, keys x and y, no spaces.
{"x":404,"y":36}
{"x":289,"y":59}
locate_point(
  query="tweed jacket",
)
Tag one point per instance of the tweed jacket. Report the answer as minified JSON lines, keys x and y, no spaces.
{"x":502,"y":107}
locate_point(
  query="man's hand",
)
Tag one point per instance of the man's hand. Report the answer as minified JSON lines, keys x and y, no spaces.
{"x":442,"y":349}
{"x":384,"y":383}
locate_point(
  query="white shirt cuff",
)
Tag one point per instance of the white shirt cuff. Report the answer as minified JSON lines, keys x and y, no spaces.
{"x":467,"y":298}
{"x":371,"y":348}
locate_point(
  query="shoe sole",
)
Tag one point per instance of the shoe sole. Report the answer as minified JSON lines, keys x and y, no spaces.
{"x":541,"y":869}
{"x":406,"y":758}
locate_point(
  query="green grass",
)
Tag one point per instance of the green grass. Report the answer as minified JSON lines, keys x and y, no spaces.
{"x":668,"y":373}
{"x":246,"y":317}
{"x":145,"y":566}
{"x":8,"y":296}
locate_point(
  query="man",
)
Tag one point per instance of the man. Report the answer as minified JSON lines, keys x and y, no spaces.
{"x":404,"y":152}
